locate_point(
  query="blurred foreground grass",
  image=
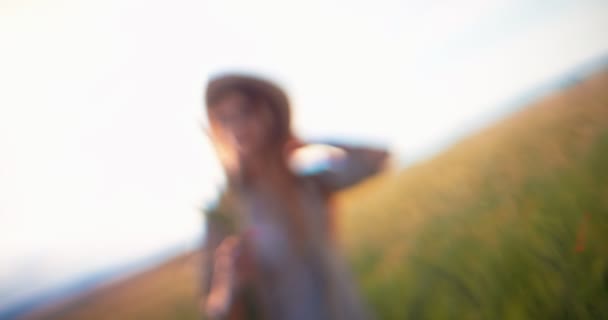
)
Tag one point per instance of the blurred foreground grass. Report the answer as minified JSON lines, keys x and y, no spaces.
{"x":511,"y":223}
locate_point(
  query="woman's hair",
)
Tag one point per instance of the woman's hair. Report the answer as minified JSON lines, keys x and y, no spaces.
{"x":280,"y":179}
{"x":260,"y":91}
{"x":279,"y":133}
{"x":277,"y":136}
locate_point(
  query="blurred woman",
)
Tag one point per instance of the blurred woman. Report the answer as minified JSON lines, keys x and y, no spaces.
{"x":281,"y":248}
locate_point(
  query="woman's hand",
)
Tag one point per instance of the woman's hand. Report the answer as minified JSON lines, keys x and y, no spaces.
{"x":219,"y":300}
{"x":215,"y":308}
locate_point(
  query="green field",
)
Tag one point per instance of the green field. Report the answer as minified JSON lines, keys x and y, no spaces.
{"x":511,"y":223}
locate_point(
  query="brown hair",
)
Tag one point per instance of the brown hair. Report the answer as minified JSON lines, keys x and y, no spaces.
{"x":282,"y":182}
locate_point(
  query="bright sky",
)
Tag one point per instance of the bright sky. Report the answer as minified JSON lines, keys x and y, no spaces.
{"x":102,"y":158}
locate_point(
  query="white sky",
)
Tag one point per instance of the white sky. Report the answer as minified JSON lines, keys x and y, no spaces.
{"x":101,"y":155}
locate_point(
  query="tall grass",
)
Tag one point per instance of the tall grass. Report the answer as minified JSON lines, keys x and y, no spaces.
{"x":509,"y":224}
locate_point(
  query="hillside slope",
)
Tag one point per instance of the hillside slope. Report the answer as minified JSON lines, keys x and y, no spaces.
{"x":168,"y":291}
{"x":511,"y":223}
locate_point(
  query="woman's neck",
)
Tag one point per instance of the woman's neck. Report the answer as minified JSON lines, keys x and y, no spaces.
{"x":261,"y":164}
{"x":256,"y":168}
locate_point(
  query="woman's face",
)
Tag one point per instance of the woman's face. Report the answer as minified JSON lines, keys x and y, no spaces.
{"x":241,"y":124}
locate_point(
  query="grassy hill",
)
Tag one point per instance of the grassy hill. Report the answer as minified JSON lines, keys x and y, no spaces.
{"x":167,"y":291}
{"x":511,"y":223}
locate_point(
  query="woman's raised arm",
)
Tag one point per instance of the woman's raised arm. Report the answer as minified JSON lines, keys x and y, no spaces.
{"x":339,"y":166}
